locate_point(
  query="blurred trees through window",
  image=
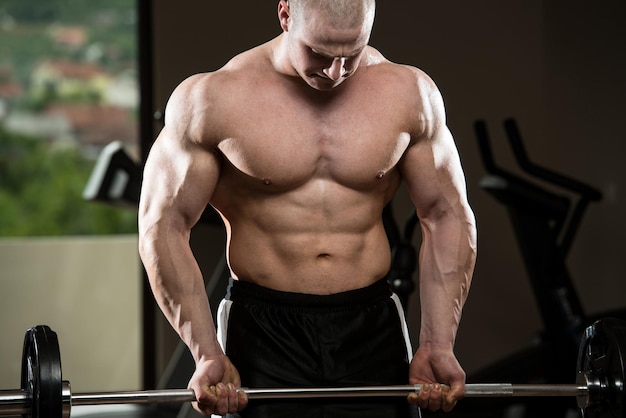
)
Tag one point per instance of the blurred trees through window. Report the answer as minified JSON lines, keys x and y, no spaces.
{"x":68,"y":87}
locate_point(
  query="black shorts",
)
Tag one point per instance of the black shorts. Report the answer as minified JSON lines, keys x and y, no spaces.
{"x":281,"y":339}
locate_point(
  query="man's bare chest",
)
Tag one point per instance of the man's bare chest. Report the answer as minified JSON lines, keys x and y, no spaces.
{"x":291,"y":149}
{"x":290,"y":145}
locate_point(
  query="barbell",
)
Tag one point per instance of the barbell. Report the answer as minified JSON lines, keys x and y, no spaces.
{"x":599,"y":387}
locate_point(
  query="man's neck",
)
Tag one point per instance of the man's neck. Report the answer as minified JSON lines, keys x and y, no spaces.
{"x":279,"y":56}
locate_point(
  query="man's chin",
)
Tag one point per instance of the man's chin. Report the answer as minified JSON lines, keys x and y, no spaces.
{"x":323,"y":83}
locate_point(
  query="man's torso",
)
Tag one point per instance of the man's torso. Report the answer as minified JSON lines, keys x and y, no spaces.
{"x":305,"y":174}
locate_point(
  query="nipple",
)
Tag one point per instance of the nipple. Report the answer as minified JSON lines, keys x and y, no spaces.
{"x":267,"y":182}
{"x":380,"y":175}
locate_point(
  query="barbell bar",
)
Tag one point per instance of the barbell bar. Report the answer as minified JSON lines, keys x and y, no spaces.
{"x":20,"y":400}
{"x":599,"y":387}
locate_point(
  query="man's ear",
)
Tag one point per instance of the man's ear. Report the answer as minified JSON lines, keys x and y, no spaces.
{"x":284,"y":16}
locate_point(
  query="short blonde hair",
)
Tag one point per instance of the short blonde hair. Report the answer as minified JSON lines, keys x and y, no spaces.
{"x":341,"y":13}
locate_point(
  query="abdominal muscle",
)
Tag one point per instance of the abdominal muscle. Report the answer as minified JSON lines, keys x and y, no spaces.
{"x":282,"y":245}
{"x":310,"y":263}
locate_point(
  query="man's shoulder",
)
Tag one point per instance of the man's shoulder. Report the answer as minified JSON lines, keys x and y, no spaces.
{"x":239,"y":68}
{"x":412,"y":89}
{"x":212,"y":88}
{"x":404,"y":74}
{"x":201,"y":101}
{"x":250,"y":60}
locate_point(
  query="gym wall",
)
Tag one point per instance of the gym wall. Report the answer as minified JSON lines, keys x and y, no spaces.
{"x":87,"y":289}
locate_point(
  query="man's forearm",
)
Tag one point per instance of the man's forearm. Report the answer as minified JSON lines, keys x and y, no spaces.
{"x":447,"y":259}
{"x":179,"y":290}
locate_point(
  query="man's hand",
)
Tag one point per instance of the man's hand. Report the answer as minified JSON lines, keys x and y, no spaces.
{"x":214,"y":383}
{"x":431,"y":367}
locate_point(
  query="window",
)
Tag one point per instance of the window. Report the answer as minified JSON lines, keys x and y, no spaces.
{"x":68,"y":88}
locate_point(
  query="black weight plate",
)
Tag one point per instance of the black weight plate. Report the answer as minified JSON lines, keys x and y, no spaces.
{"x":41,"y":372}
{"x":602,"y":358}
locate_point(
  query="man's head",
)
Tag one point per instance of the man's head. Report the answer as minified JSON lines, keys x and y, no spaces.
{"x":326,"y":39}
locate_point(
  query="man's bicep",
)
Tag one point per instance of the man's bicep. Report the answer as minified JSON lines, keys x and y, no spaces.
{"x":179,"y":179}
{"x":432,"y":171}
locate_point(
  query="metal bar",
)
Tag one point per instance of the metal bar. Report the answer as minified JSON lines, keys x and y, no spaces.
{"x":343,"y":392}
{"x":130,"y":397}
{"x":471,"y":390}
{"x":66,"y":399}
{"x":17,"y":402}
{"x":14,"y":402}
{"x":550,"y":390}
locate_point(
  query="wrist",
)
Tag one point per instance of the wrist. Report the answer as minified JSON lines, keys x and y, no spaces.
{"x":207,"y":357}
{"x":436,"y":344}
{"x":438,"y":334}
{"x":210,"y":349}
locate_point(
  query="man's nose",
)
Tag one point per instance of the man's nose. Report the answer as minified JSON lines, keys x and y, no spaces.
{"x":337,"y":69}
